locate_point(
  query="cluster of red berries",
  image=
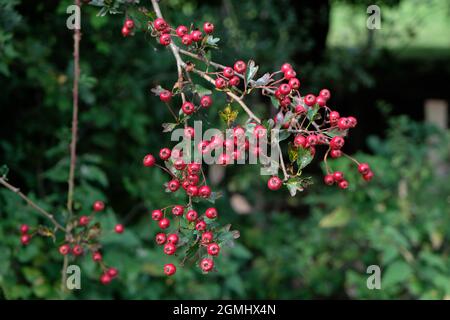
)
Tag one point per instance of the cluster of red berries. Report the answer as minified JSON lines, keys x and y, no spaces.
{"x":230,"y":77}
{"x":338,"y":176}
{"x":127,"y":27}
{"x":187,"y":107}
{"x":187,"y":37}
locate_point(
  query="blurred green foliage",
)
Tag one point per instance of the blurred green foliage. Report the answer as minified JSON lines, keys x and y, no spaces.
{"x":316,"y":245}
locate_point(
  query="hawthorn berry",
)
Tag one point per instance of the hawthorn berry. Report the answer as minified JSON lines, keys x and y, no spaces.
{"x":165,"y":153}
{"x":224,"y":159}
{"x":188,"y":108}
{"x":192,"y":191}
{"x":191,"y":215}
{"x":64,"y":249}
{"x":164,"y":223}
{"x":206,"y":264}
{"x":196,"y":35}
{"x":83,"y":221}
{"x":285,"y":67}
{"x":213,"y":249}
{"x":194,"y":168}
{"x":334,"y":117}
{"x":193,"y":180}
{"x":24,"y":229}
{"x":200,"y":225}
{"x":170,"y":269}
{"x":129,"y":23}
{"x":181,"y":31}
{"x":343,"y":184}
{"x":204,"y":191}
{"x":368,"y":176}
{"x":363,"y":168}
{"x":173,"y":238}
{"x":234,"y":81}
{"x":321,"y":101}
{"x":173,"y":185}
{"x":300,"y":141}
{"x":228,"y":72}
{"x":186,"y":40}
{"x":119,"y":228}
{"x":98,"y":206}
{"x":77,"y":250}
{"x":274,"y":183}
{"x":125,"y":31}
{"x":335,"y":153}
{"x":149,"y":160}
{"x":112,"y":272}
{"x":309,"y":100}
{"x":165,"y":95}
{"x":328,"y":179}
{"x":352,"y":122}
{"x":97,"y":256}
{"x":285,"y":89}
{"x":160,"y":24}
{"x":105,"y":279}
{"x":260,"y":131}
{"x":207,"y":237}
{"x":220,"y":83}
{"x":208,"y":27}
{"x":157,"y":215}
{"x":178,"y":210}
{"x":300,"y":109}
{"x":294,"y":83}
{"x":169,"y":249}
{"x":337,"y":142}
{"x":165,"y":39}
{"x":290,"y":74}
{"x":179,"y":164}
{"x":206,"y":101}
{"x":240,"y":67}
{"x":338,"y":176}
{"x":311,"y":140}
{"x":325,"y":93}
{"x":25,"y":239}
{"x":343,"y":123}
{"x":160,"y":238}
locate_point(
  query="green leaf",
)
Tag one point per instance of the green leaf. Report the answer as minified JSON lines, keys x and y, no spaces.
{"x":4,"y":171}
{"x":202,"y":91}
{"x":274,"y":102}
{"x":397,"y":272}
{"x":311,"y":113}
{"x":283,"y":135}
{"x":252,"y":69}
{"x":334,"y":132}
{"x":292,"y":152}
{"x":337,"y":218}
{"x":168,"y":127}
{"x":211,"y":41}
{"x":264,"y":80}
{"x":304,"y":157}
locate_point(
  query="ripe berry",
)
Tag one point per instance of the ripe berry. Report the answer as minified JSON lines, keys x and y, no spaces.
{"x":321,"y":139}
{"x":177,"y":153}
{"x":337,"y":142}
{"x":186,"y":40}
{"x":343,"y":184}
{"x":207,"y":237}
{"x":206,"y":101}
{"x":328,"y":179}
{"x":300,"y":109}
{"x":311,"y":140}
{"x":64,"y":249}
{"x":228,"y":72}
{"x":160,"y":238}
{"x":290,"y":74}
{"x":192,"y":191}
{"x":179,"y":164}
{"x":157,"y":215}
{"x":24,"y":229}
{"x":325,"y":93}
{"x":173,"y":238}
{"x":83,"y":221}
{"x":97,"y":256}
{"x":334,"y":117}
{"x":105,"y":279}
{"x":77,"y":250}
{"x":300,"y":141}
{"x":206,"y":264}
{"x":164,"y":223}
{"x":185,"y":184}
{"x":321,"y":101}
{"x":178,"y":210}
{"x":294,"y":83}
{"x":149,"y":160}
{"x":352,"y":122}
{"x":285,"y":89}
{"x":363,"y":168}
{"x":343,"y":123}
{"x":170,"y":269}
{"x":240,"y":67}
{"x":173,"y":185}
{"x":193,"y":180}
{"x":119,"y":228}
{"x":25,"y":239}
{"x":98,"y":206}
{"x":368,"y":176}
{"x":213,"y":249}
{"x":191,"y":215}
{"x":309,"y":100}
{"x":112,"y":272}
{"x":204,"y":191}
{"x":160,"y":24}
{"x":220,"y":83}
{"x":164,"y":154}
{"x":194,"y":168}
{"x":196,"y":35}
{"x":208,"y":27}
{"x":274,"y":183}
{"x":260,"y":131}
{"x":169,"y":249}
{"x":129,"y":23}
{"x":335,"y":153}
{"x":211,"y":213}
{"x":188,"y":108}
{"x":285,"y":67}
{"x":181,"y":31}
{"x":286,"y":102}
{"x":224,"y":159}
{"x":234,"y":81}
{"x":165,"y":39}
{"x":165,"y":95}
{"x":200,"y":226}
{"x":338,"y":176}
{"x":125,"y":31}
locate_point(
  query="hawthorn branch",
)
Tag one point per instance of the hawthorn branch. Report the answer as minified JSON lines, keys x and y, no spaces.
{"x":32,"y":204}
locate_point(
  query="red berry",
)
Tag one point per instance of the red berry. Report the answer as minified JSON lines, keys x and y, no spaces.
{"x":173,"y":185}
{"x":149,"y":160}
{"x":274,"y":183}
{"x":285,"y":67}
{"x":343,"y":184}
{"x":228,"y":72}
{"x":165,"y":39}
{"x":285,"y":89}
{"x":157,"y":215}
{"x":337,"y":142}
{"x":328,"y":179}
{"x":129,"y":23}
{"x":234,"y":81}
{"x":352,"y":122}
{"x":170,"y":269}
{"x":160,"y":238}
{"x":186,"y":40}
{"x":192,"y":191}
{"x":125,"y":31}
{"x":213,"y":249}
{"x":224,"y":159}
{"x":169,"y":249}
{"x":165,"y":95}
{"x":321,"y":101}
{"x":181,"y":31}
{"x":200,"y":226}
{"x":160,"y":24}
{"x":178,"y":210}
{"x":185,"y":184}
{"x":112,"y":272}
{"x":25,"y":239}
{"x":363,"y":168}
{"x":207,"y":264}
{"x":196,"y":35}
{"x":164,"y":154}
{"x":343,"y":123}
{"x":77,"y":250}
{"x":24,"y":229}
{"x":105,"y":279}
{"x":188,"y":108}
{"x":334,"y":117}
{"x":294,"y":83}
{"x":300,"y":141}
{"x":191,"y":215}
{"x":335,"y":153}
{"x":177,"y":153}
{"x":83,"y":221}
{"x":206,"y":101}
{"x":290,"y":74}
{"x":338,"y":176}
{"x":368,"y":176}
{"x":207,"y":237}
{"x":164,"y":223}
{"x":204,"y":191}
{"x":64,"y":249}
{"x":208,"y":27}
{"x":173,"y":238}
{"x":119,"y":228}
{"x":309,"y":100}
{"x":240,"y":67}
{"x":220,"y":83}
{"x":193,"y":180}
{"x":260,"y":131}
{"x":300,"y":109}
{"x":325,"y":93}
{"x":97,"y":256}
{"x":311,"y":140}
{"x":98,"y":206}
{"x":179,"y":164}
{"x":194,"y":168}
